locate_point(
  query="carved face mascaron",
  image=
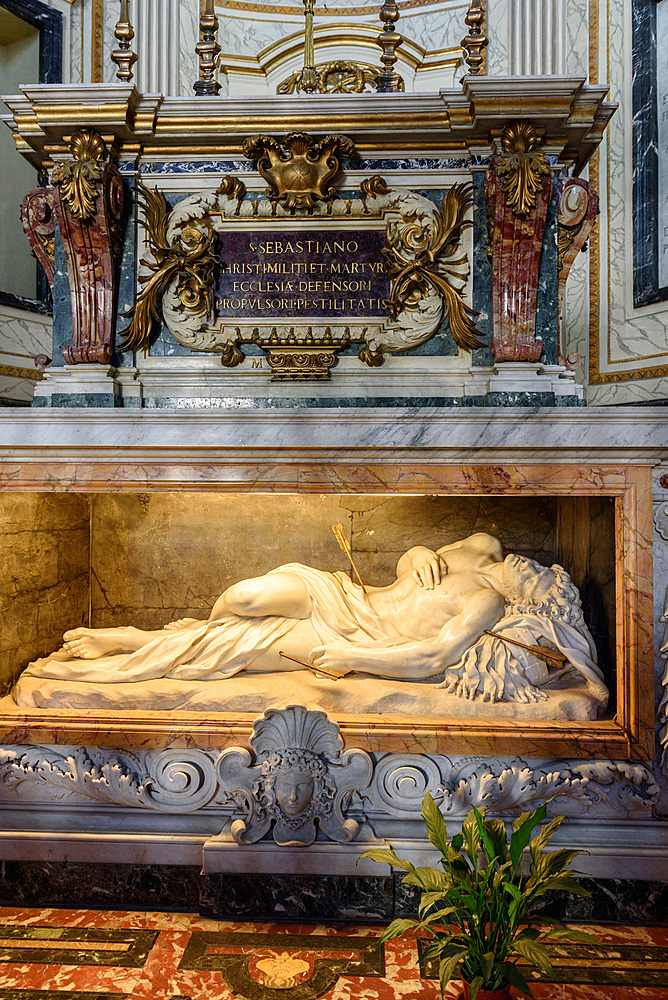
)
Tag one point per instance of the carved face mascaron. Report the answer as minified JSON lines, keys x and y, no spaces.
{"x":294,"y":792}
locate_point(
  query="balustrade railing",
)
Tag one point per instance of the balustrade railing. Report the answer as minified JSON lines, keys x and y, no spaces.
{"x":156,"y":73}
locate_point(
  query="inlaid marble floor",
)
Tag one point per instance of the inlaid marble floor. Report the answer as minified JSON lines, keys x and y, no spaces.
{"x":109,"y":955}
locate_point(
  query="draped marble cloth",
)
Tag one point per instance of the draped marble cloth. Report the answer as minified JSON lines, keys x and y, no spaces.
{"x":506,"y":661}
{"x":222,"y":648}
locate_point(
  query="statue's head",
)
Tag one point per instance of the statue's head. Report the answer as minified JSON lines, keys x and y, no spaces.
{"x":294,"y":787}
{"x":531,"y":587}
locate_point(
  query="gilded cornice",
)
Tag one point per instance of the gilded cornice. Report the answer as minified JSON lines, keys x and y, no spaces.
{"x":569,"y":116}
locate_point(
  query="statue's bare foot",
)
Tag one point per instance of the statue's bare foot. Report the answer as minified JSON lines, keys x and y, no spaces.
{"x":181,"y":623}
{"x":91,"y":643}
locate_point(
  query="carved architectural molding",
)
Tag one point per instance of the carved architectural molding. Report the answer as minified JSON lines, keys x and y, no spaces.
{"x":88,"y":197}
{"x":298,"y":355}
{"x":301,"y":775}
{"x":518,"y":193}
{"x":507,"y":786}
{"x":242,"y":785}
{"x":170,"y":781}
{"x":38,"y":217}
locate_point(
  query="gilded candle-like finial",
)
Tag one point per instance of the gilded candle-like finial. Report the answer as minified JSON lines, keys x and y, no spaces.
{"x":123,"y":56}
{"x":388,"y":80}
{"x":208,"y":51}
{"x":476,"y":41}
{"x":309,"y":76}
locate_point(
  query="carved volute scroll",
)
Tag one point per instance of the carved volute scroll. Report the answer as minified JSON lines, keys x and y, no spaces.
{"x":518,"y":192}
{"x":39,"y":224}
{"x":578,"y":208}
{"x":188,"y":257}
{"x":299,"y":776}
{"x":88,"y":196}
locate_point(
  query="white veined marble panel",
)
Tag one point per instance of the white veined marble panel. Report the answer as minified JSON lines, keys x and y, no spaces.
{"x":630,"y":339}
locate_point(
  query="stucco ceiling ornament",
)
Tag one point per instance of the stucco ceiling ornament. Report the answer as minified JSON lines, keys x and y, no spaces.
{"x":429,"y":269}
{"x":300,"y":783}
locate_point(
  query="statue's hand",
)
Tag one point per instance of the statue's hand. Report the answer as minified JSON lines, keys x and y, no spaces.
{"x":335,"y":656}
{"x":428,"y":567}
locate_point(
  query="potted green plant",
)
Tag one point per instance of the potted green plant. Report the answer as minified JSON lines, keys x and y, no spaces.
{"x":477,"y":906}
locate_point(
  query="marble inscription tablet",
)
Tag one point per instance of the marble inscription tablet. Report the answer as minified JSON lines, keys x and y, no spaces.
{"x":288,"y":273}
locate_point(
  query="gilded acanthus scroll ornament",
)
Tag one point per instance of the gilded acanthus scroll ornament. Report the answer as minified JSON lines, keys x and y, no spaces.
{"x":77,"y":179}
{"x":518,"y":191}
{"x":419,"y":255}
{"x":299,"y":169}
{"x":88,"y":196}
{"x":188,"y":258}
{"x":343,"y":76}
{"x":300,"y":776}
{"x":521,"y":166}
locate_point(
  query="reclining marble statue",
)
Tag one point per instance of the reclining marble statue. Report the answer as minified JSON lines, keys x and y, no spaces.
{"x":430,"y":624}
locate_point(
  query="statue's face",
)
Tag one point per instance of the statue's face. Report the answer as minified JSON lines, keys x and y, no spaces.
{"x":294,"y":791}
{"x":526,"y":578}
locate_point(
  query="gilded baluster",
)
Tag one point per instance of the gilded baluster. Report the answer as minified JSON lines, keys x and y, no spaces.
{"x":208,"y":51}
{"x":476,"y":41}
{"x":123,"y":56}
{"x":388,"y":80}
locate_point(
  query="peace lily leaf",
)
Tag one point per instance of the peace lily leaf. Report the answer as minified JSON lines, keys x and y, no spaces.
{"x":383,"y":855}
{"x":571,"y":935}
{"x":440,"y":915}
{"x":562,"y":883}
{"x":496,"y":831}
{"x":475,"y":986}
{"x":471,"y":837}
{"x":457,"y":842}
{"x":428,"y":899}
{"x":448,"y":968}
{"x":429,"y":879}
{"x":540,"y":840}
{"x":398,"y":927}
{"x":514,"y":977}
{"x":436,"y":829}
{"x":487,"y":964}
{"x":534,"y":953}
{"x":524,"y":827}
{"x":487,"y":845}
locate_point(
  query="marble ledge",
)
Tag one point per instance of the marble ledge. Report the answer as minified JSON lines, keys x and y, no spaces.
{"x":429,"y":434}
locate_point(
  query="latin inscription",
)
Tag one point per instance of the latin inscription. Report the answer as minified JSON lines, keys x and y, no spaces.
{"x":662,"y":109}
{"x":301,"y":273}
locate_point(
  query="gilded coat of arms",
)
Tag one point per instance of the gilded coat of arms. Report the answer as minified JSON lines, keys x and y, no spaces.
{"x":299,"y":169}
